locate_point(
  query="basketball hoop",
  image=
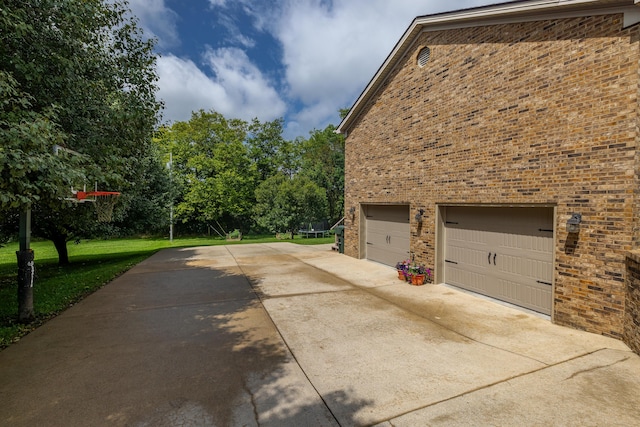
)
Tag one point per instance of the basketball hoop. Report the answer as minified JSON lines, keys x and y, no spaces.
{"x":104,"y":201}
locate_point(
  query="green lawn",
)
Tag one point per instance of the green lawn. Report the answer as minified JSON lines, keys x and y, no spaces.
{"x":93,"y":264}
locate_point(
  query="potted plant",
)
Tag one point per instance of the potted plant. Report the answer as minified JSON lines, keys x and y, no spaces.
{"x":403,"y":269}
{"x":419,"y":274}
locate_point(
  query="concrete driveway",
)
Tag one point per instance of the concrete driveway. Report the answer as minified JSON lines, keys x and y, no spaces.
{"x":287,"y":335}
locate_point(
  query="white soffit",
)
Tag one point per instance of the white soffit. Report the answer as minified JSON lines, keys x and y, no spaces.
{"x":632,"y":16}
{"x":512,"y":12}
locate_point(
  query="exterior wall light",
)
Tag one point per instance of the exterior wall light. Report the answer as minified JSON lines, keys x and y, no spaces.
{"x":573,"y":223}
{"x":352,"y":210}
{"x":419,"y":215}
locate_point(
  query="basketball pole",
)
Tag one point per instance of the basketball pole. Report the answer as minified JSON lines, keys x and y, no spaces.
{"x":26,"y":268}
{"x":171,"y":195}
{"x":25,"y":256}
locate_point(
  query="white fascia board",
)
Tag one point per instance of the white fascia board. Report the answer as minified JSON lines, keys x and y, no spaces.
{"x":429,"y":25}
{"x":501,"y":13}
{"x":632,"y":16}
{"x":503,"y":10}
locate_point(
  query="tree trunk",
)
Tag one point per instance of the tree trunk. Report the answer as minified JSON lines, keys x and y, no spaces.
{"x":60,"y":243}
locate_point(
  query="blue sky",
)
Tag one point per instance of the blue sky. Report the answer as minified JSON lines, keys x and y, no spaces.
{"x":302,"y":60}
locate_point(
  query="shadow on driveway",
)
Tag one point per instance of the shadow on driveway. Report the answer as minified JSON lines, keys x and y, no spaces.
{"x":180,"y":339}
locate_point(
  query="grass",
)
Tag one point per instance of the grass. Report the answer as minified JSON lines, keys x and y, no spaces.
{"x":93,"y":264}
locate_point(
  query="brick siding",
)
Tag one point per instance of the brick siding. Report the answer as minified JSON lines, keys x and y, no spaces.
{"x":632,"y":312}
{"x":528,"y":113}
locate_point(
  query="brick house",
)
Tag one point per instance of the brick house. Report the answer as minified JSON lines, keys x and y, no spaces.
{"x":483,"y":133}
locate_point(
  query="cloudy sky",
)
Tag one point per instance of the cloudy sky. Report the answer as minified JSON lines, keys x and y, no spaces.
{"x":302,"y":60}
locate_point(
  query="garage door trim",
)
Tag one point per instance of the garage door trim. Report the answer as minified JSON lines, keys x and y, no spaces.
{"x":399,"y":230}
{"x":441,"y":237}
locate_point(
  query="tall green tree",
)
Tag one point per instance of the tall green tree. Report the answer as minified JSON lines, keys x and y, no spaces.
{"x":322,"y":161}
{"x":212,"y":169}
{"x":285,"y":203}
{"x":148,"y":202}
{"x":84,"y":70}
{"x":267,"y":148}
{"x":29,"y":170}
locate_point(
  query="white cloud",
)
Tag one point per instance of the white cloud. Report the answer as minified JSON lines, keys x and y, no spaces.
{"x":236,"y":90}
{"x":157,"y":20}
{"x":235,"y":35}
{"x":330,"y":52}
{"x":249,"y":91}
{"x":332,"y":49}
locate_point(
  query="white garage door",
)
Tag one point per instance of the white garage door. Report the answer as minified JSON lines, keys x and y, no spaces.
{"x":504,"y":253}
{"x":387,"y":233}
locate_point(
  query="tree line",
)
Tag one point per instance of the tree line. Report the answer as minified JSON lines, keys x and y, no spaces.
{"x":231,"y":174}
{"x":80,"y":75}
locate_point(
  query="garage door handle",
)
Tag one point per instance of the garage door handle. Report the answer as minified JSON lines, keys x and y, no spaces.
{"x":450,"y":262}
{"x":544,"y":283}
{"x":494,"y":258}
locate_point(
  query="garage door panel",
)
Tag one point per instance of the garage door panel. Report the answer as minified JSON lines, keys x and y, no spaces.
{"x":387,"y":233}
{"x":505,"y":253}
{"x":385,"y":255}
{"x":473,"y":258}
{"x":466,"y":279}
{"x":537,"y":246}
{"x":536,"y":297}
{"x":466,"y":237}
{"x":375,"y":237}
{"x":377,"y":233}
{"x":387,"y":213}
{"x":526,"y":221}
{"x":523,"y":267}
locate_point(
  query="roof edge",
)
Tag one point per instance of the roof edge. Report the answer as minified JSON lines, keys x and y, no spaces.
{"x":514,"y":11}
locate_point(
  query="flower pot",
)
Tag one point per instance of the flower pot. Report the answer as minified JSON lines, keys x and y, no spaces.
{"x":401,"y":275}
{"x":417,"y":279}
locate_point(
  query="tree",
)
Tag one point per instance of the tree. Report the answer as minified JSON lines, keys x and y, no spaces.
{"x":265,"y":145}
{"x":29,"y":170}
{"x":221,"y":186}
{"x":148,"y":201}
{"x":212,"y":168}
{"x":323,"y":162}
{"x":284,"y":203}
{"x":269,"y":151}
{"x":83,"y":71}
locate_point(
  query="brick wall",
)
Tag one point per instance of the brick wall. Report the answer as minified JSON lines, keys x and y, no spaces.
{"x":632,"y":311}
{"x":529,"y":113}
